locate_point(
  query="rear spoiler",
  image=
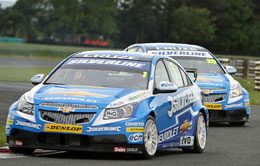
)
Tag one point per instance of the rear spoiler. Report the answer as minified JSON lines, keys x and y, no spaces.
{"x":192,"y":70}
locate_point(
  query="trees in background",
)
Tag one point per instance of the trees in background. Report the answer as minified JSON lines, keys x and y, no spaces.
{"x":223,"y":26}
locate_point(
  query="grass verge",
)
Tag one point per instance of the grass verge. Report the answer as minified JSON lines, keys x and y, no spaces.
{"x":2,"y":136}
{"x":20,"y":74}
{"x":41,"y":51}
{"x":249,"y":85}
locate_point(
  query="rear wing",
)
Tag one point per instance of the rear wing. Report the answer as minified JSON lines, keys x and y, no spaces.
{"x":194,"y":71}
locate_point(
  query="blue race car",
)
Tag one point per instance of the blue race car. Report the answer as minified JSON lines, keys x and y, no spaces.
{"x":226,"y":99}
{"x":110,"y":101}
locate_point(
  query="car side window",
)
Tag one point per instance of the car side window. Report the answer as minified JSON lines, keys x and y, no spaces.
{"x":186,"y":79}
{"x":135,"y":49}
{"x":174,"y":73}
{"x":161,"y":73}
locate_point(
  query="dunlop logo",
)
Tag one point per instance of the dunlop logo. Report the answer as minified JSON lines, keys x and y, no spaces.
{"x":134,"y":129}
{"x":63,"y":128}
{"x":213,"y":106}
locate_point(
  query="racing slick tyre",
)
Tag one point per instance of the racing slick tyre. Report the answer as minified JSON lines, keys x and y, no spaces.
{"x":200,"y":136}
{"x":150,"y":138}
{"x":237,"y":123}
{"x":21,"y":150}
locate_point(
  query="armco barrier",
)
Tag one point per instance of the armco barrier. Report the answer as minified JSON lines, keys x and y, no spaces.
{"x":257,"y":78}
{"x":245,"y":68}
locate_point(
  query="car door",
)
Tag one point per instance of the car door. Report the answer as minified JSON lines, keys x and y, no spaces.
{"x":172,"y":109}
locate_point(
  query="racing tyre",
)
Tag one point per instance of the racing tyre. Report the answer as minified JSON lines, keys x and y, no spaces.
{"x":237,"y":123}
{"x":200,"y":136}
{"x":150,"y":138}
{"x":21,"y":150}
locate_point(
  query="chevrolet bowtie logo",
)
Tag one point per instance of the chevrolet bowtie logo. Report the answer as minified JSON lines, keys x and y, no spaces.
{"x":207,"y":92}
{"x":66,"y":110}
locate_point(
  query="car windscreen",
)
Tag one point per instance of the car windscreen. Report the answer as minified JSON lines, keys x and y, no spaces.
{"x":203,"y":65}
{"x":113,"y":73}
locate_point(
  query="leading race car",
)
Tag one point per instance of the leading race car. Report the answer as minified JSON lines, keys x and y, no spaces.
{"x":226,"y":99}
{"x":110,"y":101}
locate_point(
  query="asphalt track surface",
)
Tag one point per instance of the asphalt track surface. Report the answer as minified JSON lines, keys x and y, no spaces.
{"x":226,"y":145}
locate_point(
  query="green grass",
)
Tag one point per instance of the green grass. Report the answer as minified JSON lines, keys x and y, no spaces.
{"x":20,"y":74}
{"x":41,"y":51}
{"x":249,"y":85}
{"x":2,"y":136}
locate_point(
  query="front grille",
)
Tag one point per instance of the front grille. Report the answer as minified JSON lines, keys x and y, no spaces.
{"x":65,"y":105}
{"x":214,"y":97}
{"x":213,"y":89}
{"x":70,"y":118}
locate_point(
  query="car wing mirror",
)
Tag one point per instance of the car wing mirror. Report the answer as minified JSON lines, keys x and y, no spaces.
{"x":166,"y":87}
{"x":194,"y":71}
{"x":231,"y":69}
{"x":37,"y":79}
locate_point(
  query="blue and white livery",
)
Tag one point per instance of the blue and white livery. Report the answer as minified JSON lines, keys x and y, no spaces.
{"x":111,"y":101}
{"x":226,"y":99}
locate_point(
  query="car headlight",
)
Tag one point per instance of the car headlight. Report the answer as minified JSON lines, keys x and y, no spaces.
{"x":25,"y":104}
{"x":237,"y":91}
{"x":120,"y":112}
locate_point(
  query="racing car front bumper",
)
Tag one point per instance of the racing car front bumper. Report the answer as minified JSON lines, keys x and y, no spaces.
{"x":238,"y":115}
{"x":69,"y":142}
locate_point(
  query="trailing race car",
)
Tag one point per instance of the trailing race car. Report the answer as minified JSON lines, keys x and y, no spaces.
{"x":226,"y":99}
{"x":110,"y":101}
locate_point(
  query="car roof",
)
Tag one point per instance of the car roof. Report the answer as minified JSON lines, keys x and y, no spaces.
{"x":172,"y":45}
{"x":114,"y":55}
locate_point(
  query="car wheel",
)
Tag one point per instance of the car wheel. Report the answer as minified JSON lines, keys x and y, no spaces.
{"x":22,"y":150}
{"x":150,"y":138}
{"x":200,"y":136}
{"x":237,"y":123}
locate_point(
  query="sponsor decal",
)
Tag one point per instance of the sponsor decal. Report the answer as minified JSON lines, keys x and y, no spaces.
{"x":233,"y":105}
{"x":117,"y":104}
{"x":27,"y":124}
{"x":66,"y":110}
{"x":63,"y":128}
{"x":18,"y":143}
{"x":181,"y":53}
{"x":137,"y":96}
{"x":70,"y":98}
{"x":137,"y":137}
{"x":134,"y":129}
{"x":186,"y":141}
{"x":119,"y":149}
{"x":132,"y":149}
{"x":9,"y":121}
{"x":168,"y":134}
{"x":134,"y":124}
{"x":167,"y":84}
{"x":185,"y":126}
{"x":247,"y":104}
{"x":213,"y":106}
{"x":108,"y":56}
{"x":93,"y":129}
{"x":66,"y":105}
{"x":180,"y":101}
{"x":109,"y":62}
{"x":177,"y":48}
{"x":78,"y":93}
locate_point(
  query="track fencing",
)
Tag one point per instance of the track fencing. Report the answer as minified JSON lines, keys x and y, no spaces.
{"x":249,"y":69}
